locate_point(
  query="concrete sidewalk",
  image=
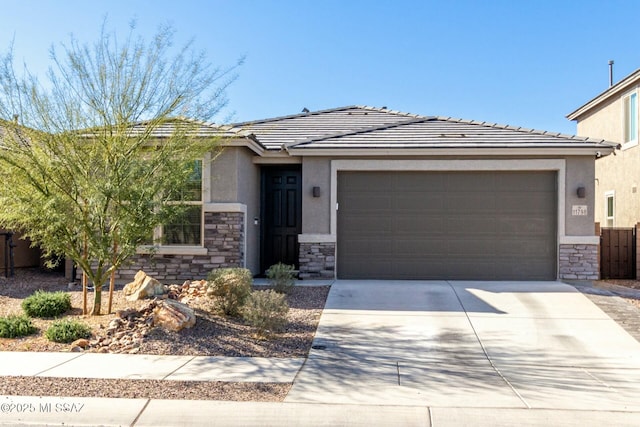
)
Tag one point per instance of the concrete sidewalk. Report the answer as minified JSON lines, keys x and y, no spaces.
{"x":149,"y":367}
{"x":15,"y":410}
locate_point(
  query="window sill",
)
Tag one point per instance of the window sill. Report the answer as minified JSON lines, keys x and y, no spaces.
{"x":629,"y":144}
{"x":173,"y":250}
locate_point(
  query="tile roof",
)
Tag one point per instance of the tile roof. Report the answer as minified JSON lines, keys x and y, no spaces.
{"x":445,"y":132}
{"x":275,"y":132}
{"x":363,"y":127}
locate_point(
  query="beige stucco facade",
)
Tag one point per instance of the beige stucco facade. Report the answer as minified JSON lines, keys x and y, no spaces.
{"x":616,"y":175}
{"x":236,"y":178}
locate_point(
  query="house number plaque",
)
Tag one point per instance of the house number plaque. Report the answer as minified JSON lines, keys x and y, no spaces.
{"x":579,"y":210}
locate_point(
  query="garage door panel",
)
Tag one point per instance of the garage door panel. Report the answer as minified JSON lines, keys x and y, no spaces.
{"x":429,"y":225}
{"x":371,"y":201}
{"x":471,"y":202}
{"x":417,"y":248}
{"x":524,"y":226}
{"x":470,"y":224}
{"x":469,"y":182}
{"x":529,"y":204}
{"x":369,"y":224}
{"x":536,"y":181}
{"x":447,"y":225}
{"x":519,"y":248}
{"x":420,"y":201}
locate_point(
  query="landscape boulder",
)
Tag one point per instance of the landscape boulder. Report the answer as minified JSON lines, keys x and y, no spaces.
{"x":143,"y":286}
{"x":174,"y":315}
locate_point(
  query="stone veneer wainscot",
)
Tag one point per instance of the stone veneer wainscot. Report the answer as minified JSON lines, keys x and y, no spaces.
{"x":223,"y":239}
{"x":579,"y":261}
{"x":317,"y":260}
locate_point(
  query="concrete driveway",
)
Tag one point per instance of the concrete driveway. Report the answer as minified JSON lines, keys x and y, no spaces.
{"x":469,"y":344}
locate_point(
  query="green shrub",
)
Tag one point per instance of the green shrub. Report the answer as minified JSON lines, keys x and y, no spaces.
{"x":66,"y":331}
{"x":229,"y":287}
{"x":282,"y":277}
{"x":16,"y":326}
{"x":46,"y":304}
{"x":266,"y":311}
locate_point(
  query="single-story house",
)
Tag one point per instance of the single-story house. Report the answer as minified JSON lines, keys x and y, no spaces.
{"x":370,"y":193}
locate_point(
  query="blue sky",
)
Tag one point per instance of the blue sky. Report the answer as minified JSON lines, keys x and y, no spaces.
{"x":524,"y":63}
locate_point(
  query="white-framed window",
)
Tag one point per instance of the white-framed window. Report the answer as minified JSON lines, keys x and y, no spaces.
{"x":186,"y":229}
{"x":609,"y":208}
{"x":630,"y":117}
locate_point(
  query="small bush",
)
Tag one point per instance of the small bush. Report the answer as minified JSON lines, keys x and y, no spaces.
{"x":229,"y":287}
{"x":282,"y":277}
{"x":16,"y":326}
{"x":46,"y":304}
{"x":266,"y":311}
{"x":66,"y":331}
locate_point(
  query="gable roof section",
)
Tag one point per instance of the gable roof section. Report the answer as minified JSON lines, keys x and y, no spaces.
{"x":616,"y":90}
{"x":444,"y":133}
{"x":279,"y":131}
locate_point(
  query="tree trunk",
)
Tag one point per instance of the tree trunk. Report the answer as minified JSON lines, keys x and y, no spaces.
{"x":85,"y":310}
{"x":112,"y":282}
{"x":85,"y":252}
{"x":97,"y":300}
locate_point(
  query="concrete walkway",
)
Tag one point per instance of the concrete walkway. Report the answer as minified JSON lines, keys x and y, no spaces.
{"x":389,"y":353}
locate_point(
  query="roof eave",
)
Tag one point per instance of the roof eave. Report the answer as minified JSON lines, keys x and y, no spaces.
{"x":589,"y":150}
{"x":615,"y":90}
{"x":246,"y":141}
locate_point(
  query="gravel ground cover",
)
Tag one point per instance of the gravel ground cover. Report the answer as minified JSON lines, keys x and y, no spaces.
{"x":211,"y":336}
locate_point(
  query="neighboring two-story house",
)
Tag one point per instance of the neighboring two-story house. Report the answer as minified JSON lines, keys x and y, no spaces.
{"x":613,"y":115}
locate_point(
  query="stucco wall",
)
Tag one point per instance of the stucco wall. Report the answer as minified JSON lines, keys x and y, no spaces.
{"x":580,"y":173}
{"x":604,"y":124}
{"x":249,"y":194}
{"x":224,"y":176}
{"x":619,"y":172}
{"x":235,"y":179}
{"x":316,"y":217}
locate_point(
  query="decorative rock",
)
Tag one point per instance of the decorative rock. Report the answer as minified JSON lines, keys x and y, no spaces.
{"x":174,"y":315}
{"x":143,"y":286}
{"x":77,"y":349}
{"x":82,"y":343}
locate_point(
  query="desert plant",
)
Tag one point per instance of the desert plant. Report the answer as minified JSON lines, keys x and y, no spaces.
{"x":66,"y":331}
{"x":14,"y":326}
{"x":266,"y":311}
{"x":46,"y":304}
{"x":229,"y":287}
{"x":282,"y":277}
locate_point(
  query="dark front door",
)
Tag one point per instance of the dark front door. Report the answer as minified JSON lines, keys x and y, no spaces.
{"x":281,"y":215}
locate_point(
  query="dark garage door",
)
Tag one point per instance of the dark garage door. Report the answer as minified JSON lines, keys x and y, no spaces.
{"x":447,"y":225}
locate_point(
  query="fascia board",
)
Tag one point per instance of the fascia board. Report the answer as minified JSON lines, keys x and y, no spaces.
{"x":604,"y":150}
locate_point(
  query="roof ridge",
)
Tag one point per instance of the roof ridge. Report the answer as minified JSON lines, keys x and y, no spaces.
{"x":293,"y":116}
{"x":361,"y":131}
{"x":325,"y":111}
